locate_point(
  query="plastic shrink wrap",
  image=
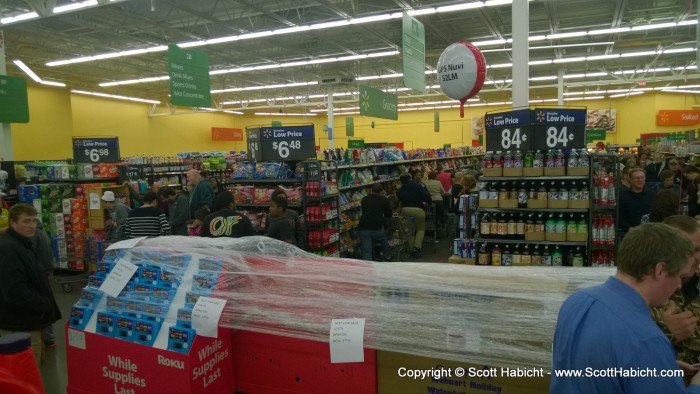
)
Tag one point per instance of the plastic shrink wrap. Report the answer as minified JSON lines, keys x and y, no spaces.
{"x":493,"y":315}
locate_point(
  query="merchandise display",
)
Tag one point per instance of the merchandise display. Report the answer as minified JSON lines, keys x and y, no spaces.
{"x":422,"y":309}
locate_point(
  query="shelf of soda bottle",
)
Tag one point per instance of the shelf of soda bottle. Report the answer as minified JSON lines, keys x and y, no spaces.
{"x":321,"y":213}
{"x":325,"y":189}
{"x":604,"y":191}
{"x":530,"y":255}
{"x":536,"y":163}
{"x":531,"y":194}
{"x":519,"y":227}
{"x":604,"y":232}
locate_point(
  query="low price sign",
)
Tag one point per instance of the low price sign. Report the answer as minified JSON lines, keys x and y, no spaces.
{"x":508,"y":131}
{"x":559,"y":129}
{"x":96,"y":150}
{"x":287,"y":143}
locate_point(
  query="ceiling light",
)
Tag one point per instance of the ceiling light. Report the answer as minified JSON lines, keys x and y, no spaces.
{"x":643,"y":53}
{"x":608,"y":31}
{"x":537,"y":38}
{"x":373,"y":18}
{"x":603,"y":57}
{"x":282,"y":114}
{"x":538,"y":62}
{"x":679,"y":50}
{"x":501,"y":65}
{"x":18,"y":18}
{"x":489,"y":42}
{"x":546,"y":78}
{"x":491,"y":3}
{"x":27,"y":70}
{"x":688,"y":22}
{"x":681,"y":91}
{"x":566,"y":35}
{"x":463,"y":6}
{"x":74,"y":6}
{"x":263,"y":87}
{"x":653,"y":26}
{"x":569,"y":60}
{"x":234,"y":112}
{"x":625,"y":94}
{"x":51,"y":83}
{"x":424,"y":11}
{"x":116,"y":96}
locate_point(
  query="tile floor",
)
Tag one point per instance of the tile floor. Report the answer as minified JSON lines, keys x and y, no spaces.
{"x":54,"y":370}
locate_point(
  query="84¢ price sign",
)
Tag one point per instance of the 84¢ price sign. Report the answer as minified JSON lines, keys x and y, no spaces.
{"x":508,"y":131}
{"x":559,"y":129}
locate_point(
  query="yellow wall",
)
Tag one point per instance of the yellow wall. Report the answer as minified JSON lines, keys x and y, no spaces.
{"x":56,"y":115}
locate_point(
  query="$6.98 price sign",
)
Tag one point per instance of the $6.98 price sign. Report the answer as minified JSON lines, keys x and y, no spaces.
{"x":283,"y":147}
{"x":95,"y":154}
{"x":96,"y":150}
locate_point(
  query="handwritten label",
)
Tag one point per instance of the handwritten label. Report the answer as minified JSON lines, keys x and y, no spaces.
{"x":76,"y":339}
{"x":206,"y":314}
{"x":118,"y":278}
{"x":347,"y":340}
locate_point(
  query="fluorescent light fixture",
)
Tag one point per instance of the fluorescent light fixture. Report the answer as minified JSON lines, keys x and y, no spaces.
{"x":74,"y":6}
{"x":27,"y":70}
{"x":609,"y":31}
{"x":633,"y":54}
{"x":571,"y":76}
{"x":688,"y":22}
{"x":133,"y":81}
{"x":679,"y":50}
{"x":594,"y":98}
{"x":491,"y":3}
{"x":537,"y":38}
{"x":653,"y":26}
{"x":234,"y":112}
{"x":599,"y":74}
{"x":282,"y":114}
{"x":51,"y":83}
{"x":457,"y":7}
{"x":373,"y":18}
{"x":263,"y":87}
{"x":569,"y":60}
{"x":18,"y":18}
{"x":538,"y":62}
{"x":501,"y":65}
{"x":603,"y":57}
{"x":140,"y":100}
{"x":545,"y":78}
{"x":424,"y":11}
{"x":681,"y":91}
{"x":489,"y":42}
{"x":566,"y":35}
{"x":625,"y":94}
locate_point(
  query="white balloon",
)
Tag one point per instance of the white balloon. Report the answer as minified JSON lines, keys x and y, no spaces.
{"x":457,"y":71}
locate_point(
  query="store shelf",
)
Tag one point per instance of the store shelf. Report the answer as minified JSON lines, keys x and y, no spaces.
{"x":552,"y":210}
{"x":264,"y":181}
{"x":393,"y":163}
{"x":164,"y":173}
{"x":343,"y":188}
{"x":264,"y":205}
{"x":604,"y":207}
{"x":602,"y":247}
{"x":520,"y":241}
{"x":349,"y":229}
{"x":110,"y":179}
{"x":533,"y":178}
{"x":352,"y":205}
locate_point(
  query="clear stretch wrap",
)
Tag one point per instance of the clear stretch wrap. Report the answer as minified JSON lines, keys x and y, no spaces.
{"x":501,"y":316}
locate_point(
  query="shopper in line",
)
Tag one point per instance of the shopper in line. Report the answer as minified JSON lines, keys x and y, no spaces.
{"x":280,"y":227}
{"x":225,"y":221}
{"x":664,"y":204}
{"x":694,"y":197}
{"x":27,"y":303}
{"x":215,"y":185}
{"x":194,"y":226}
{"x":201,"y":193}
{"x":444,"y":177}
{"x":635,"y":201}
{"x":675,"y":166}
{"x":118,"y":213}
{"x":667,"y":178}
{"x":678,"y":318}
{"x":291,"y":215}
{"x":625,"y":181}
{"x":178,"y":209}
{"x":147,"y":220}
{"x":414,"y":198}
{"x":375,"y":212}
{"x":456,"y":189}
{"x":648,"y":272}
{"x":437,"y":192}
{"x":653,"y":169}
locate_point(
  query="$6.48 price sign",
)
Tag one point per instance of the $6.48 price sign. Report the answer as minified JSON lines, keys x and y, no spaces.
{"x":283,"y":147}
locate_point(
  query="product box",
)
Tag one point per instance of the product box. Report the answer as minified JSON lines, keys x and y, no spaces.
{"x":537,"y":204}
{"x":529,"y":171}
{"x":577,"y":237}
{"x":579,"y":204}
{"x":459,"y":260}
{"x":554,"y":171}
{"x":95,"y":170}
{"x":85,"y":170}
{"x":37,"y":205}
{"x":508,"y":203}
{"x":577,"y":171}
{"x":557,"y":204}
{"x":535,"y":236}
{"x":492,"y":171}
{"x":489,"y":203}
{"x":101,"y":364}
{"x":555,"y":237}
{"x":265,"y":363}
{"x":390,"y":381}
{"x":517,"y":171}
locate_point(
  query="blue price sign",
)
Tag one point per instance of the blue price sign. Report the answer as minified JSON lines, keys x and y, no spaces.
{"x":559,"y":129}
{"x":96,"y":150}
{"x":508,"y":131}
{"x":287,"y":143}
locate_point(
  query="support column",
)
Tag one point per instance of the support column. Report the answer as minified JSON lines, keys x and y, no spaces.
{"x":560,"y":87}
{"x":331,"y":144}
{"x":521,"y":53}
{"x":6,"y":151}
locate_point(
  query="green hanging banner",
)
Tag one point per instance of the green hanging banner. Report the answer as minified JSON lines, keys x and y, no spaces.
{"x":350,"y":126}
{"x":276,"y":123}
{"x":356,"y":144}
{"x":436,"y":119}
{"x":378,"y":104}
{"x":14,"y":102}
{"x":189,"y":77}
{"x":595,"y":135}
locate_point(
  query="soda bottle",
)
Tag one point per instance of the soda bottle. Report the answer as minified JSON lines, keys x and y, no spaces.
{"x":578,"y":258}
{"x":572,"y":161}
{"x":583,"y":159}
{"x":553,"y":194}
{"x":498,"y":160}
{"x":520,"y":228}
{"x":503,"y":192}
{"x":516,"y":255}
{"x":571,"y":226}
{"x":530,"y":225}
{"x":569,"y":260}
{"x":560,"y":225}
{"x":611,"y":229}
{"x":546,"y":256}
{"x":522,"y":197}
{"x":518,"y":159}
{"x":557,"y":258}
{"x":563,"y":192}
{"x":582,"y":225}
{"x":502,"y":227}
{"x":484,"y":192}
{"x":549,"y":159}
{"x":539,"y":224}
{"x":596,"y":190}
{"x":574,"y":194}
{"x":536,"y":256}
{"x":508,"y":160}
{"x":550,"y":225}
{"x":603,"y":194}
{"x":528,"y":160}
{"x":611,"y":258}
{"x":542,"y":192}
{"x":488,"y":160}
{"x":559,"y":159}
{"x":493,"y":227}
{"x":507,"y":257}
{"x":485,"y":226}
{"x":484,"y":255}
{"x":496,"y":255}
{"x":611,"y":190}
{"x":584,"y":192}
{"x":538,"y":160}
{"x":512,"y":227}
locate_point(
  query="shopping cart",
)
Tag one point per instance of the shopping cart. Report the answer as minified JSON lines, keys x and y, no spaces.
{"x":431,"y":228}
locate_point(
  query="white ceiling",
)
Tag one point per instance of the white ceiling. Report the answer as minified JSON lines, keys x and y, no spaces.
{"x":122,"y":25}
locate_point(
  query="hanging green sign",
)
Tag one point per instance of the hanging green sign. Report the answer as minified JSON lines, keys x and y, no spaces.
{"x":276,"y":123}
{"x":436,"y":121}
{"x":595,"y":135}
{"x":349,"y":126}
{"x":378,"y":104}
{"x":189,"y":77}
{"x":413,"y":53}
{"x":14,"y":104}
{"x":356,"y":144}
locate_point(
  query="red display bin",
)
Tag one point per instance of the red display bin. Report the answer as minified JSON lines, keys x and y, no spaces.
{"x":98,"y":364}
{"x":265,"y":363}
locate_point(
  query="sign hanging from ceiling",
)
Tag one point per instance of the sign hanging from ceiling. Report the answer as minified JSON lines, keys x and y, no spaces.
{"x":559,"y":129}
{"x":14,"y":104}
{"x":378,"y":104}
{"x":96,"y":150}
{"x":287,"y":143}
{"x":349,"y":126}
{"x":413,"y":53}
{"x":508,"y":131}
{"x":189,"y":77}
{"x":226,"y":134}
{"x":668,"y":117}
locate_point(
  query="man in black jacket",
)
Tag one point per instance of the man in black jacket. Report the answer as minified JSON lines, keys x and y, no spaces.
{"x":375,"y":211}
{"x":414,"y":198}
{"x":26,"y":301}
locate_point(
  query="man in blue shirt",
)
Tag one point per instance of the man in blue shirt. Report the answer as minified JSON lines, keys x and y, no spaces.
{"x":607,"y":333}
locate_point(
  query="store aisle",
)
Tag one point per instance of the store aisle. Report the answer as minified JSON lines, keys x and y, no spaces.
{"x":54,"y":371}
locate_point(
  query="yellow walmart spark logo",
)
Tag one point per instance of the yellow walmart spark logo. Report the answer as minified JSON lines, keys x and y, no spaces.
{"x":267,"y":133}
{"x":489,"y":121}
{"x":540,"y":116}
{"x":364,"y":101}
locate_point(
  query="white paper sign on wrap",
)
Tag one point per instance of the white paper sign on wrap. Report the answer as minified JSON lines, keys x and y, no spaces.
{"x":118,"y":278}
{"x":206,"y":314}
{"x":126,"y":244}
{"x":347,"y":340}
{"x":94,"y":201}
